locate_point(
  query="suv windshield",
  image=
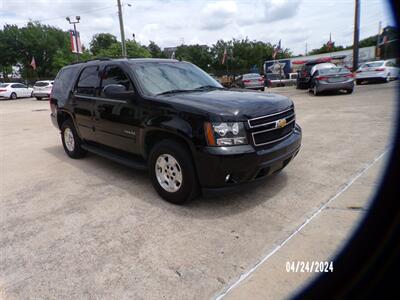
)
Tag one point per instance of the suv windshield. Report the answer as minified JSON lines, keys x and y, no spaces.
{"x":171,"y":77}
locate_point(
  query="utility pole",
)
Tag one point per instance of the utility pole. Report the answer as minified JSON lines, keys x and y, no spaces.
{"x":377,"y":52}
{"x":121,"y":27}
{"x":77,"y":19}
{"x":306,"y":50}
{"x":356,"y":34}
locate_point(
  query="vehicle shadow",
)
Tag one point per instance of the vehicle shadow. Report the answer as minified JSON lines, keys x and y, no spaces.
{"x":139,"y":186}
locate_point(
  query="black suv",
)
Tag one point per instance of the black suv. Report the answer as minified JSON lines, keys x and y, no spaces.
{"x":172,"y":119}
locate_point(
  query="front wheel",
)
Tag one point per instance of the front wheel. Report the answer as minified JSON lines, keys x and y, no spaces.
{"x":71,"y":142}
{"x":172,"y":172}
{"x":38,"y":98}
{"x":13,"y":96}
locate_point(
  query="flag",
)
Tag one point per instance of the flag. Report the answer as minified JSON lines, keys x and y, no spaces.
{"x":277,"y":50}
{"x":173,"y":55}
{"x":76,"y":46}
{"x":225,"y":56}
{"x":330,"y":44}
{"x":33,"y":63}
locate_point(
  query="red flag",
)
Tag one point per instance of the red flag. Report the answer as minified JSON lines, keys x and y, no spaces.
{"x":33,"y":63}
{"x":225,"y":56}
{"x":75,"y":40}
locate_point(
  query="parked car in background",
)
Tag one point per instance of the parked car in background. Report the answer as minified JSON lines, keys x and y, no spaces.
{"x":252,"y":81}
{"x":304,"y":75}
{"x":332,"y":79}
{"x":14,"y":90}
{"x":276,"y":80}
{"x":42,"y":89}
{"x":382,"y":70}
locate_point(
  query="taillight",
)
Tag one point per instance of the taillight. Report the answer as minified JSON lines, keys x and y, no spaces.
{"x":3,"y":90}
{"x":321,"y":78}
{"x":380,"y":69}
{"x":246,"y":81}
{"x":260,"y":79}
{"x":349,"y":75}
{"x":358,"y":71}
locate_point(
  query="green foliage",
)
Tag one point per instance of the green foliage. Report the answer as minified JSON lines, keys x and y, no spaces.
{"x":155,"y":50}
{"x":101,"y":41}
{"x":326,"y":49}
{"x":133,"y":49}
{"x":199,"y":55}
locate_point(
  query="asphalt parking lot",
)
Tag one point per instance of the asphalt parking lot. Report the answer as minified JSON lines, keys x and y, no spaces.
{"x":93,"y":229}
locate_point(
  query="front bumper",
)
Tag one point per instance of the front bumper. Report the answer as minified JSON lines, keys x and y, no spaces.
{"x":244,"y":164}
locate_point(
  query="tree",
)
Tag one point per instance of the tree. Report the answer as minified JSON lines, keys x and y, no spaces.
{"x":9,"y":37}
{"x":155,"y":50}
{"x":326,"y":49}
{"x":101,"y":41}
{"x":196,"y":54}
{"x":133,"y":49}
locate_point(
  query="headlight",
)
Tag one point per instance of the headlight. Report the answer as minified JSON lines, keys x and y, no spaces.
{"x":225,"y":134}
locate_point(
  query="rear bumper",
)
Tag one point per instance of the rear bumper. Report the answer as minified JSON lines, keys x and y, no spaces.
{"x":321,"y":87}
{"x":41,"y":94}
{"x":53,"y":119}
{"x":244,"y":164}
{"x":374,"y":76}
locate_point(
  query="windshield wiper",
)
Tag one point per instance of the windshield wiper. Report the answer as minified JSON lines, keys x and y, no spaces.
{"x":173,"y":92}
{"x":203,"y":87}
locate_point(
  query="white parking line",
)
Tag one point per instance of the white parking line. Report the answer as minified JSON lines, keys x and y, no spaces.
{"x":243,"y":276}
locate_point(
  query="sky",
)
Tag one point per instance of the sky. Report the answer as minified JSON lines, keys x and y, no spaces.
{"x":173,"y":22}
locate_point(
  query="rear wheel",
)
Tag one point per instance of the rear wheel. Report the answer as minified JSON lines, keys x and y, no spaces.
{"x":388,"y":78}
{"x":172,"y":172}
{"x":13,"y":96}
{"x":358,"y":82}
{"x":71,"y":142}
{"x":315,"y":90}
{"x":38,"y":98}
{"x":349,"y":91}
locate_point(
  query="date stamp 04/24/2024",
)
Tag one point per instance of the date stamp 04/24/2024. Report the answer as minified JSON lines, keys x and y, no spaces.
{"x":309,"y":266}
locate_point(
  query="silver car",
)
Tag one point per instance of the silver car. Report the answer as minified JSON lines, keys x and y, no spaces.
{"x":251,"y":81}
{"x":383,"y":70}
{"x":332,"y":79}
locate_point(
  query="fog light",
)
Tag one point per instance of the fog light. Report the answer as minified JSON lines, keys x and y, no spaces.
{"x":227,"y":177}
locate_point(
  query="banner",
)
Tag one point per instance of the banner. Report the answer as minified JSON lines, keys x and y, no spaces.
{"x":74,"y":47}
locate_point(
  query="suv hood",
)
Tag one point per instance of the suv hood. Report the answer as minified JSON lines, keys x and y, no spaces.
{"x":234,"y":105}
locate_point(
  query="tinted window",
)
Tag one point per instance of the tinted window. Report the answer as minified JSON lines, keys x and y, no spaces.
{"x":334,"y":71}
{"x":14,"y":86}
{"x":372,"y":64}
{"x":63,"y":82}
{"x":88,"y":81}
{"x":253,"y":75}
{"x":114,"y":75}
{"x":41,"y":83}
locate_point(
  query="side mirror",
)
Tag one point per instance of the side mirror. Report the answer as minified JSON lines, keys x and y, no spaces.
{"x":117,"y":91}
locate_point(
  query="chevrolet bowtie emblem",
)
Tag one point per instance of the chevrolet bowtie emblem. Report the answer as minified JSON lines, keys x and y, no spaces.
{"x":281,"y":123}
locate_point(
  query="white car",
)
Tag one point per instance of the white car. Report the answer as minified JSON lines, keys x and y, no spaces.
{"x":14,"y":90}
{"x":384,"y":70}
{"x":42,"y":89}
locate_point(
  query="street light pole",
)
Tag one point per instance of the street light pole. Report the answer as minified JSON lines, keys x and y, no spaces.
{"x":121,"y":27}
{"x":356,"y":34}
{"x":77,"y":19}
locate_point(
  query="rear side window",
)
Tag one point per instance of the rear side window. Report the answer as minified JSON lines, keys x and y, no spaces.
{"x":115,"y":75}
{"x":63,"y":84}
{"x":88,"y":81}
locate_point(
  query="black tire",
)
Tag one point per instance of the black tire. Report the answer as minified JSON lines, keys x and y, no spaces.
{"x":189,"y":187}
{"x":77,"y":151}
{"x":350,"y":91}
{"x":358,"y":82}
{"x":13,"y":96}
{"x":38,"y":98}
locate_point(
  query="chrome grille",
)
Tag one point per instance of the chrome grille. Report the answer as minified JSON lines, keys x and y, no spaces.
{"x":265,"y":130}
